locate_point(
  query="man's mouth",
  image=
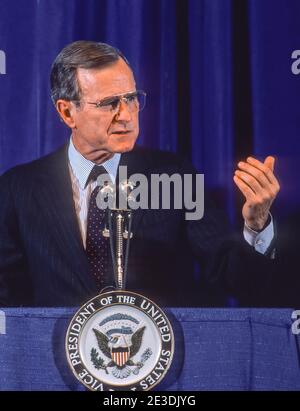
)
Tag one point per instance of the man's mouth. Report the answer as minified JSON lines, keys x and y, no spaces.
{"x":122,"y":132}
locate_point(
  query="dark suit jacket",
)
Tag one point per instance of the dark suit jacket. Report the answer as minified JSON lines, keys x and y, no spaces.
{"x":43,"y":262}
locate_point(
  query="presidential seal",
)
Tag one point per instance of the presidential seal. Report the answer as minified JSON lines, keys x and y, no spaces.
{"x":120,"y":341}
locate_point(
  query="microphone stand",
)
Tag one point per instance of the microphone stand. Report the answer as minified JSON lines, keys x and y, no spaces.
{"x":120,"y":229}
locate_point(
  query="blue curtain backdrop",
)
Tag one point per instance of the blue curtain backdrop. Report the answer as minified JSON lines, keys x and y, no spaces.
{"x":217,"y":73}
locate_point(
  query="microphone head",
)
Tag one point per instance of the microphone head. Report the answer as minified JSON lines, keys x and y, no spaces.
{"x":126,"y":187}
{"x":107,"y":190}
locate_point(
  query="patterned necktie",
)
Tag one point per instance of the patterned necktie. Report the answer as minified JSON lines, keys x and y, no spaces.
{"x":97,"y":246}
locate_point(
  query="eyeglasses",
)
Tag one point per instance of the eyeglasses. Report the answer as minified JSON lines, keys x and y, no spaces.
{"x":135,"y":101}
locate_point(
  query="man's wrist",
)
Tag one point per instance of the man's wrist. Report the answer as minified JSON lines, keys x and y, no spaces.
{"x":262,"y":240}
{"x":257,"y":228}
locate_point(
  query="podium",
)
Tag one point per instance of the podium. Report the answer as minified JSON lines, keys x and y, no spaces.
{"x":215,"y":349}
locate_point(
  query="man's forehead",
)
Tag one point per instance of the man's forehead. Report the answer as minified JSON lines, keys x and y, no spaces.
{"x":116,"y":78}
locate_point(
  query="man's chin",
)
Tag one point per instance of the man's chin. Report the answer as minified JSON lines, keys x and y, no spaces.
{"x":124,"y":147}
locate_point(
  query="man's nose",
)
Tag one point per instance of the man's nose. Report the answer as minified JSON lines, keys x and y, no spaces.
{"x":124,"y":113}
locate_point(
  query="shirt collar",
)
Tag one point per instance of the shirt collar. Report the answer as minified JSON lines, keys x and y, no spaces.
{"x":82,"y":167}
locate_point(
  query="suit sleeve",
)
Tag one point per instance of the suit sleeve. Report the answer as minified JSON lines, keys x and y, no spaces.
{"x":227,"y":261}
{"x":14,"y":281}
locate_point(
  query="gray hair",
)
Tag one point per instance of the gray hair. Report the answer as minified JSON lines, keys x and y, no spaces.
{"x":80,"y":54}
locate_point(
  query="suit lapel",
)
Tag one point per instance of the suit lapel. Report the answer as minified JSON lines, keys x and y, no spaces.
{"x":55,"y":197}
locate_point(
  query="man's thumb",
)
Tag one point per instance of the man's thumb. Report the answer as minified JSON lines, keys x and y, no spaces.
{"x":269,"y":162}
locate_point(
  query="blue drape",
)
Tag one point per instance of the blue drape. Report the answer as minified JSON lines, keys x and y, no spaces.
{"x":217,"y":73}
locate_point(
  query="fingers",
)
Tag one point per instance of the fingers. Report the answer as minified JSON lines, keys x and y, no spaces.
{"x":264,"y":168}
{"x":270,"y":162}
{"x":262,"y":172}
{"x":251,"y":181}
{"x":245,"y":189}
{"x":252,"y":173}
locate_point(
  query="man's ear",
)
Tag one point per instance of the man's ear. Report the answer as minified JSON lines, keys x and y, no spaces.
{"x":65,"y":110}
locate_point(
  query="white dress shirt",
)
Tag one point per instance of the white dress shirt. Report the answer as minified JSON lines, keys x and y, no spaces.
{"x":80,"y":169}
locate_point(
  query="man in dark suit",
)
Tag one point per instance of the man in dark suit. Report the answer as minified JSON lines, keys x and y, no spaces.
{"x":51,"y":252}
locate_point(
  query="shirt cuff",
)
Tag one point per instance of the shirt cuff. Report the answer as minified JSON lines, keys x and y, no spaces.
{"x":260,"y":240}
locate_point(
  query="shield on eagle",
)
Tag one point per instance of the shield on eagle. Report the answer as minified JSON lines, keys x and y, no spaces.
{"x":120,"y":355}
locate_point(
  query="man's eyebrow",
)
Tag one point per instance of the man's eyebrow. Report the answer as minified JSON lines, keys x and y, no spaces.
{"x":111,"y":97}
{"x":117,"y":96}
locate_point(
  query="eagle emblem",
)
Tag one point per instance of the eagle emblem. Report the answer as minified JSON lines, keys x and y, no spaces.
{"x":119,"y":340}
